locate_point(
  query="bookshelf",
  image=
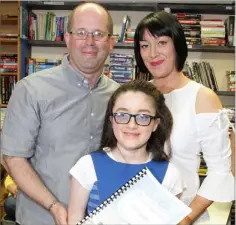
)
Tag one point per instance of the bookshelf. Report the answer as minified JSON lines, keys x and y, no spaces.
{"x":9,"y":48}
{"x":212,"y":8}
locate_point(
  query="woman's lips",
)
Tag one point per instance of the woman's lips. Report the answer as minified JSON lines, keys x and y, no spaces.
{"x":156,"y":63}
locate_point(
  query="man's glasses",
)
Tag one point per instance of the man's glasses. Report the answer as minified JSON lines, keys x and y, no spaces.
{"x":140,"y":119}
{"x":97,"y":35}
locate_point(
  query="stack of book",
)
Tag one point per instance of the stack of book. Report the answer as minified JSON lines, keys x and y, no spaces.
{"x":229,"y":26}
{"x":213,"y":32}
{"x":38,"y":64}
{"x":230,"y":80}
{"x":121,"y":67}
{"x":191,"y":27}
{"x":129,"y":36}
{"x":8,"y":63}
{"x":9,"y":36}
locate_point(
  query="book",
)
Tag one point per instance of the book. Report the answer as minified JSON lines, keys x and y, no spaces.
{"x":230,"y":24}
{"x":141,"y":200}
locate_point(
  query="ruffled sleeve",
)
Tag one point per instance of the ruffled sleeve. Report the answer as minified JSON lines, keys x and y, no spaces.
{"x":212,"y":134}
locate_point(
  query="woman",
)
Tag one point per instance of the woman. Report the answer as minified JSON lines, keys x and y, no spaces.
{"x":133,"y":138}
{"x":200,"y":124}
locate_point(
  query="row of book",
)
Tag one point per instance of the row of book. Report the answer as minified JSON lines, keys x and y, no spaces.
{"x":201,"y":72}
{"x":198,"y":31}
{"x":8,"y":63}
{"x":7,"y":86}
{"x":122,"y":69}
{"x":47,"y":26}
{"x":38,"y":64}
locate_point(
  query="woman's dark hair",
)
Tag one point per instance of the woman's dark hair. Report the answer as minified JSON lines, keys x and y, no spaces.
{"x":161,"y":24}
{"x":158,"y":138}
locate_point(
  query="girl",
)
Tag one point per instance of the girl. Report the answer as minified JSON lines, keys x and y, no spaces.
{"x":137,"y":125}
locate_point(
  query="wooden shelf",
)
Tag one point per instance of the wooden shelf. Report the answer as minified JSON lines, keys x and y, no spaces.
{"x":3,"y":105}
{"x":8,"y":40}
{"x":9,"y":17}
{"x":8,"y":53}
{"x":8,"y":73}
{"x":193,"y":48}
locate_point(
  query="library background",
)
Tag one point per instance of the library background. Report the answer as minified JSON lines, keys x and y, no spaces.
{"x":31,"y":39}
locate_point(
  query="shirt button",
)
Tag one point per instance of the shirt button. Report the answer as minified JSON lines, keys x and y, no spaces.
{"x":92,"y":114}
{"x":91,"y":92}
{"x":79,"y":84}
{"x":91,"y":137}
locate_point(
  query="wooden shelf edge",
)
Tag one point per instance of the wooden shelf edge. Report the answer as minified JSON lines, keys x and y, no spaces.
{"x":9,"y":40}
{"x":3,"y":105}
{"x":8,"y":73}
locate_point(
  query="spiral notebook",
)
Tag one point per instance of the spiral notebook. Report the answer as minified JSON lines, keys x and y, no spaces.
{"x":141,"y":200}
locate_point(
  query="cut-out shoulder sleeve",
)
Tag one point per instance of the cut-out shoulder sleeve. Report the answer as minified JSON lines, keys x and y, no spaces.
{"x":212,"y":134}
{"x":83,"y":171}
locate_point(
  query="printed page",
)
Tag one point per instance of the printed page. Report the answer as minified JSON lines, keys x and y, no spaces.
{"x":145,"y":202}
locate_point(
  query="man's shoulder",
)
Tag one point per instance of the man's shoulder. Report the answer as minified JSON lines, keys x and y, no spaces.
{"x":39,"y":79}
{"x":51,"y":72}
{"x":111,"y":83}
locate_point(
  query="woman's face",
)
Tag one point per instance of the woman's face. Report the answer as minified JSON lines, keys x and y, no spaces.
{"x":132,"y":136}
{"x":158,"y":54}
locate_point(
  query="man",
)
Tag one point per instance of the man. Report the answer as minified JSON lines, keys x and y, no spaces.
{"x":55,"y":116}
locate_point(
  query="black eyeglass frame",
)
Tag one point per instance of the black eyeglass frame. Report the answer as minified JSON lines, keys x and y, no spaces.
{"x":135,"y":118}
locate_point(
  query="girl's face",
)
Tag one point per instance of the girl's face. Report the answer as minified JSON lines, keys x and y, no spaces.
{"x":132,"y":136}
{"x":158,"y":54}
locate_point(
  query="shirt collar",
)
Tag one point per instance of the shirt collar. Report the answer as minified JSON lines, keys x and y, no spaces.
{"x":77,"y":77}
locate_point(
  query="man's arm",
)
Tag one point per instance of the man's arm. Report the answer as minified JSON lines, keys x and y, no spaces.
{"x":29,"y":182}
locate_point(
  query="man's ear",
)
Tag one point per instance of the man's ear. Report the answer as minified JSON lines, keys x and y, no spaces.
{"x":112,"y":42}
{"x":67,"y":38}
{"x":157,"y":122}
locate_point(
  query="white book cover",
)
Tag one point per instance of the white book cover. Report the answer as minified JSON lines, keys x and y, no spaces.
{"x":142,"y":200}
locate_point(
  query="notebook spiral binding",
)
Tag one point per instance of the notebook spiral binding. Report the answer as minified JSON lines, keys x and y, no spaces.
{"x":115,"y":195}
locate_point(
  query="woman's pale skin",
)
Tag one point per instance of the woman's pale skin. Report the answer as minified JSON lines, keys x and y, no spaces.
{"x":158,"y":54}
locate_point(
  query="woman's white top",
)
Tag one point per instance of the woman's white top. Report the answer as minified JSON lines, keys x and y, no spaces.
{"x":83,"y":171}
{"x":194,"y":133}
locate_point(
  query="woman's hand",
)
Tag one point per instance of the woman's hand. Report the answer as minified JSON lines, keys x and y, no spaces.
{"x":186,"y":221}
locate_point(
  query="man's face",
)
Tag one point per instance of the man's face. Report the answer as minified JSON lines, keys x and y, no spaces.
{"x":88,"y":56}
